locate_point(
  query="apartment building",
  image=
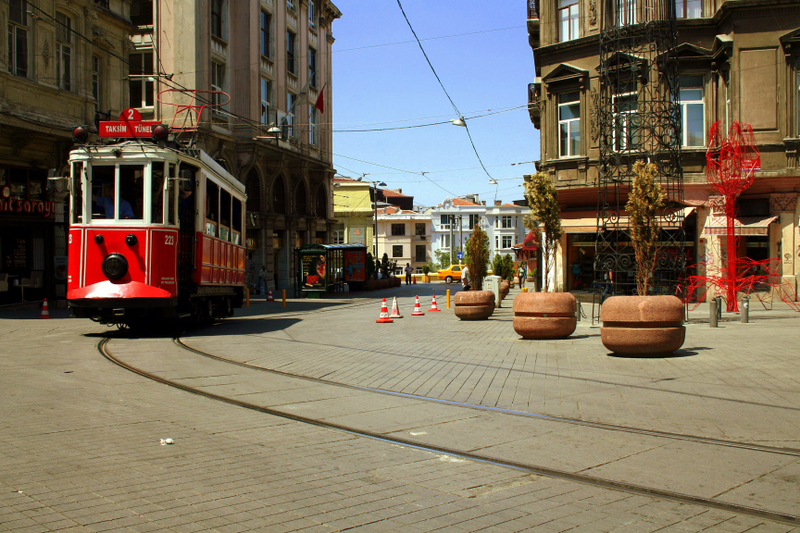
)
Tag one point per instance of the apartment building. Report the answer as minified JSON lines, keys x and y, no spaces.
{"x":263,"y":71}
{"x":404,"y":236}
{"x":734,"y":60}
{"x":61,"y":65}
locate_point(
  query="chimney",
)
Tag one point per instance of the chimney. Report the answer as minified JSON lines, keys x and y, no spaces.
{"x":498,"y":203}
{"x":483,"y":202}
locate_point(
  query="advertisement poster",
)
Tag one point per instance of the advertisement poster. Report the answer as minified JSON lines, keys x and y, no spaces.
{"x":357,"y":236}
{"x":313,"y":271}
{"x":61,"y":263}
{"x":355,"y":265}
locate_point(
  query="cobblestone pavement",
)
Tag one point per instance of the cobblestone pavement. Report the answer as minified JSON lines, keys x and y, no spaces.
{"x":80,"y":439}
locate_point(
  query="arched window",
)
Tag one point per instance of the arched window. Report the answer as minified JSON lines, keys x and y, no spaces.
{"x":279,"y":197}
{"x":321,"y":206}
{"x":301,"y":201}
{"x":253,"y":185}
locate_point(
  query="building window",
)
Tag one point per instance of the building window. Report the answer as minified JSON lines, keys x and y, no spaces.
{"x":398,"y":229}
{"x":445,"y":221}
{"x":312,"y":67}
{"x":568,"y":20}
{"x":218,"y":85}
{"x":96,"y":81}
{"x":569,"y":124}
{"x":18,"y":38}
{"x":420,"y":255}
{"x":473,"y":219}
{"x":507,"y":222}
{"x":141,"y":86}
{"x":291,"y":39}
{"x":688,"y":9}
{"x":218,"y":19}
{"x":142,"y":12}
{"x":290,"y":5}
{"x":288,"y":121}
{"x":692,"y":113}
{"x":507,"y":243}
{"x":266,"y":98}
{"x":64,"y":51}
{"x":446,"y":241}
{"x":797,"y":96}
{"x":397,"y":250}
{"x":419,"y":228}
{"x":313,"y":136}
{"x":338,"y":234}
{"x":625,"y":12}
{"x":626,"y":133}
{"x":312,"y":14}
{"x":266,"y":25}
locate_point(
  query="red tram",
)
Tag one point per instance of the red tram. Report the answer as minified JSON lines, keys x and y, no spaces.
{"x":155,"y":232}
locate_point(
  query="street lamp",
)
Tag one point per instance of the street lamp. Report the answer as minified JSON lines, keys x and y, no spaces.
{"x":375,"y":185}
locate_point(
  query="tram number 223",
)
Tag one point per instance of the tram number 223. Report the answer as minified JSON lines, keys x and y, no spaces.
{"x":169,"y":240}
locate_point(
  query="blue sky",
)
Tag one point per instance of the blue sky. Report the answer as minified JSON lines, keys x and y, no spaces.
{"x":381,"y":80}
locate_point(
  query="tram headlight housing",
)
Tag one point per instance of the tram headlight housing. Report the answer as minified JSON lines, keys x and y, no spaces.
{"x":115,"y":266}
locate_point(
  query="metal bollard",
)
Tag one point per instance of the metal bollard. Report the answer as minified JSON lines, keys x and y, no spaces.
{"x":247,"y":293}
{"x":448,"y":298}
{"x":284,"y":298}
{"x":745,"y":309}
{"x":713,"y":309}
{"x":580,"y":310}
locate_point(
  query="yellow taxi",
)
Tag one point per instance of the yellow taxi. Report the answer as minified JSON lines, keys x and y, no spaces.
{"x":453,"y":272}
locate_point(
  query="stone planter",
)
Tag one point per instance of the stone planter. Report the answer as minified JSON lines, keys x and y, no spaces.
{"x":545,"y":315}
{"x":504,"y":286}
{"x":474,"y":305}
{"x":642,"y":325}
{"x":370,"y":285}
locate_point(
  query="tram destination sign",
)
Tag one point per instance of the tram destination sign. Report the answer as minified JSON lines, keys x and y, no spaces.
{"x":126,"y":128}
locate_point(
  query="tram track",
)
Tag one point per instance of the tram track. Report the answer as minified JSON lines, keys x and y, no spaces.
{"x":574,"y":476}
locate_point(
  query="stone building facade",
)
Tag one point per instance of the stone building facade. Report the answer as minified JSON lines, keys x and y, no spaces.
{"x":737,"y":60}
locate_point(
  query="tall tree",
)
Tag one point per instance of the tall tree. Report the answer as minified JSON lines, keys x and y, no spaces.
{"x":644,"y":200}
{"x":542,"y":198}
{"x":477,"y":248}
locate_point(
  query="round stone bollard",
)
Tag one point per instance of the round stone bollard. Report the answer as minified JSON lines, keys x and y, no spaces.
{"x":642,"y":325}
{"x":545,"y":315}
{"x":474,"y":305}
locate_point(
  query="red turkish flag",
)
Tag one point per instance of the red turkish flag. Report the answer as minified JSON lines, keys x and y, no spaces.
{"x":321,"y":100}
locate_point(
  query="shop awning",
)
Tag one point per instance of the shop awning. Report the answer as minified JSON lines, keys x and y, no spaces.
{"x":741,"y":225}
{"x":531,"y":243}
{"x":572,"y":223}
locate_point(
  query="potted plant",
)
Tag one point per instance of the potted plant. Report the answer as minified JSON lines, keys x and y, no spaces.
{"x":426,"y":271}
{"x":545,"y":315}
{"x":643,"y":324}
{"x":475,"y":304}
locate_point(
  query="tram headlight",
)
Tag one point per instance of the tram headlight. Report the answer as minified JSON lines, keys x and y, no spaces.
{"x":115,"y":266}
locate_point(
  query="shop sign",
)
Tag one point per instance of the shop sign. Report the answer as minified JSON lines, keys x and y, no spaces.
{"x":46,"y":209}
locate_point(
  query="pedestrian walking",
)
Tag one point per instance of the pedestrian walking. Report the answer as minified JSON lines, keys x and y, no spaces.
{"x":262,"y":280}
{"x":409,"y":270}
{"x":522,"y":273}
{"x":465,"y":278}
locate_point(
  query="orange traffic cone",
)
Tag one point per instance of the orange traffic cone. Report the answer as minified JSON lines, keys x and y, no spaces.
{"x":269,"y":297}
{"x":384,"y":318}
{"x":395,"y":310}
{"x":45,"y":310}
{"x":433,"y":308}
{"x":417,"y":309}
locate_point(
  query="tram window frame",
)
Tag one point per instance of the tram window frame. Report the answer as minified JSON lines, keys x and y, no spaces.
{"x":212,"y":208}
{"x":76,"y":192}
{"x":224,"y":215}
{"x":131,"y":179}
{"x":157,"y":191}
{"x":102,"y":184}
{"x":237,"y":219}
{"x":172,"y":185}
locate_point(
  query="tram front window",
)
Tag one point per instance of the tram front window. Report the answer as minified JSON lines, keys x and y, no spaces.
{"x":107,"y":202}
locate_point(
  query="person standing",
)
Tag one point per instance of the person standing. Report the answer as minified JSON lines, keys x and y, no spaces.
{"x":409,"y":270}
{"x":262,"y":280}
{"x":522,"y":273}
{"x":465,"y":278}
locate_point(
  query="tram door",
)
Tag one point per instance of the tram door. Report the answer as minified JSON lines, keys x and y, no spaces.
{"x":186,"y":217}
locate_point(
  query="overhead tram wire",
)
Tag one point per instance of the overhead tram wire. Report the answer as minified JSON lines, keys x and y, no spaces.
{"x":455,"y":107}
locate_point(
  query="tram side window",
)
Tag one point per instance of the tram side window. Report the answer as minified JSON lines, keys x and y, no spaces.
{"x":236,"y":222}
{"x":76,"y":191}
{"x":212,"y":208}
{"x":157,"y":193}
{"x":131,"y":190}
{"x":104,"y":192}
{"x":171,"y":191}
{"x":225,"y":215}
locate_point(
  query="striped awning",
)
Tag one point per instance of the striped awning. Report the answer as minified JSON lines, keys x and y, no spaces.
{"x":741,"y":225}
